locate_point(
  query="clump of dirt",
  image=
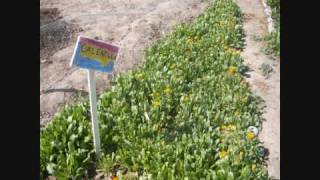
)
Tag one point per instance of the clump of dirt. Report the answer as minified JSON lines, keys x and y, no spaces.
{"x":55,"y":33}
{"x":55,"y":36}
{"x":48,"y":15}
{"x":45,"y":117}
{"x":247,"y":16}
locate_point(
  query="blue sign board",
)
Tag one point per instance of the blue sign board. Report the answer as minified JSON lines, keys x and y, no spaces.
{"x":94,"y":54}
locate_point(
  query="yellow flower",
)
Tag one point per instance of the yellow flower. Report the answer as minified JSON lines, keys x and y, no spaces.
{"x":222,"y":23}
{"x":232,"y":70}
{"x":189,"y":41}
{"x":139,"y":76}
{"x":168,"y":90}
{"x":244,"y":99}
{"x":184,"y":98}
{"x":223,"y":154}
{"x":237,"y":113}
{"x":155,"y":94}
{"x":238,"y":158}
{"x":114,"y":178}
{"x":241,"y":154}
{"x":233,"y":51}
{"x":224,"y":127}
{"x":253,"y":167}
{"x":156,"y":103}
{"x":250,"y":135}
{"x":232,"y":127}
{"x":228,"y":128}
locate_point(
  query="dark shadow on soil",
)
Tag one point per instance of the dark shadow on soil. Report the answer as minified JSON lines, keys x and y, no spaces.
{"x":55,"y":33}
{"x":48,"y":15}
{"x":71,"y":90}
{"x":244,"y":70}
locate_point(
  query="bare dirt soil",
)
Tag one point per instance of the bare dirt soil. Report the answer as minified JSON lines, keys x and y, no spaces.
{"x":131,"y":24}
{"x":268,"y":89}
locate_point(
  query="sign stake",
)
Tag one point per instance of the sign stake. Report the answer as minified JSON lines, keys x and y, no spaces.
{"x":94,"y":55}
{"x":93,"y":107}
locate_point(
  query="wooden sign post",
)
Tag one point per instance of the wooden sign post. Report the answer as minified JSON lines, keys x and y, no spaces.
{"x":94,"y":55}
{"x":93,"y":105}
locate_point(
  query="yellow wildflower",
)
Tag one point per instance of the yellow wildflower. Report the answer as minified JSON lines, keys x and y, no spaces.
{"x":232,"y":70}
{"x":223,"y":154}
{"x":241,"y":154}
{"x":233,"y":51}
{"x":114,"y":178}
{"x":189,"y":41}
{"x":168,"y":90}
{"x":184,"y":98}
{"x":244,"y":99}
{"x":155,"y":94}
{"x":232,"y":127}
{"x":222,"y":23}
{"x":156,"y":103}
{"x":223,"y":127}
{"x":228,"y":128}
{"x":237,"y":113}
{"x":139,"y":76}
{"x":253,"y":167}
{"x":250,"y":135}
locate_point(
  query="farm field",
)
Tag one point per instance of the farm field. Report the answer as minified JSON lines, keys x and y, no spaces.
{"x":184,"y":113}
{"x":132,"y":24}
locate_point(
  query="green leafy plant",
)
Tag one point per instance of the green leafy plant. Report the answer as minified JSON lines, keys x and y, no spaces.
{"x":273,"y":42}
{"x":266,"y":69}
{"x":275,"y":8}
{"x":66,"y":144}
{"x":273,"y":39}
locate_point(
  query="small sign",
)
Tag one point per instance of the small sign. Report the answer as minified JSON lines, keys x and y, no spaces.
{"x":95,"y":55}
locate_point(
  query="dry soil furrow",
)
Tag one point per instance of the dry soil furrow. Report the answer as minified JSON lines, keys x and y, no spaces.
{"x":256,"y":24}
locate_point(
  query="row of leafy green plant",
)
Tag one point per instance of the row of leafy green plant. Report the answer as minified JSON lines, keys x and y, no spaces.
{"x":273,"y":38}
{"x":183,"y":115}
